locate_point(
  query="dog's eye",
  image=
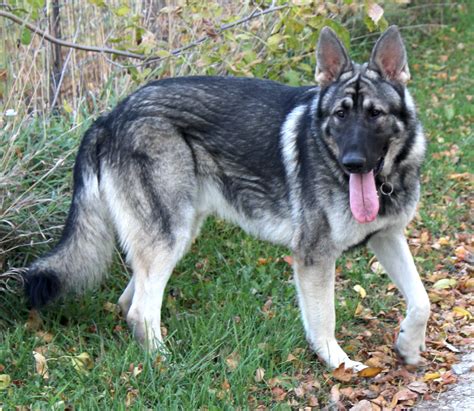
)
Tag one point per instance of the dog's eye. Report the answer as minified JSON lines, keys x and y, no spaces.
{"x":375,"y":113}
{"x":340,"y":113}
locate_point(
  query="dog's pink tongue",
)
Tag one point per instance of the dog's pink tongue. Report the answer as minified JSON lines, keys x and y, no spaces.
{"x":363,"y":197}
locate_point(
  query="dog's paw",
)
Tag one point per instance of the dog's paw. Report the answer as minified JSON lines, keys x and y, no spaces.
{"x":332,"y":354}
{"x":409,"y":350}
{"x":355,"y":366}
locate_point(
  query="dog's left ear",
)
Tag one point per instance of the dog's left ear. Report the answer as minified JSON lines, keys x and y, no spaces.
{"x":389,"y":57}
{"x":331,"y":58}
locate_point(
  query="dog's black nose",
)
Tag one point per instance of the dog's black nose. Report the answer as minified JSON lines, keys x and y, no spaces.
{"x":354,"y":162}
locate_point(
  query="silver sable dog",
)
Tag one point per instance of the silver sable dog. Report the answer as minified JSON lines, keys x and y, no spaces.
{"x":317,"y":169}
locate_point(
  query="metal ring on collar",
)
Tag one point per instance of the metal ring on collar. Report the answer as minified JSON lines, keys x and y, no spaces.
{"x":386,"y":188}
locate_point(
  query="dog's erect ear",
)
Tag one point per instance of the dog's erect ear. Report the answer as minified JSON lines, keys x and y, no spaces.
{"x":389,"y":57}
{"x":331,"y":58}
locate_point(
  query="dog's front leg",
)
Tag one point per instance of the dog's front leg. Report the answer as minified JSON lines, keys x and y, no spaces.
{"x":315,"y":286}
{"x":391,"y":249}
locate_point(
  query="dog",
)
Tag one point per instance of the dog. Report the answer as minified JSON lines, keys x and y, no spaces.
{"x":319,"y":169}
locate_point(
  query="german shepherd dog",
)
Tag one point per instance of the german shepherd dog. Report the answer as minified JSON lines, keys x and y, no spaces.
{"x":318,"y":169}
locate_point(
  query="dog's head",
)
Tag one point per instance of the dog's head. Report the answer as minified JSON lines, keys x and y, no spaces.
{"x":361,"y":109}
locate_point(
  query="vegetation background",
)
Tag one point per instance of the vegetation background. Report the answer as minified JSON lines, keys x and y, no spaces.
{"x":230,"y":314}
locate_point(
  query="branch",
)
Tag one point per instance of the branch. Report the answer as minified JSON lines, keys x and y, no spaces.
{"x":54,"y":40}
{"x":147,"y":59}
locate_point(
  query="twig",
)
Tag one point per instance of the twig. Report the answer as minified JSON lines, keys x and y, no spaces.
{"x":54,"y":40}
{"x":147,"y":59}
{"x":14,"y":275}
{"x":63,"y":71}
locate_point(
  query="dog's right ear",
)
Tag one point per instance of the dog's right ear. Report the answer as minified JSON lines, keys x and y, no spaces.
{"x":331,"y":58}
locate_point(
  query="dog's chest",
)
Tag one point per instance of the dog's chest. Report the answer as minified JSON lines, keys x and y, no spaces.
{"x":346,"y":232}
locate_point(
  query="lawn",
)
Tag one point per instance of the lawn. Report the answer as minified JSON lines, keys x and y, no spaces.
{"x":230,"y":314}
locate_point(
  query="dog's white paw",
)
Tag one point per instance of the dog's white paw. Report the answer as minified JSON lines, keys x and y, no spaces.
{"x":355,"y":366}
{"x":333,"y":355}
{"x":147,"y":333}
{"x":409,"y":347}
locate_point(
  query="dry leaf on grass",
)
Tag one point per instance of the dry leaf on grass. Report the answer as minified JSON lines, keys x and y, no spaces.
{"x":362,"y":405}
{"x":279,"y":394}
{"x":403,"y":395}
{"x":259,"y":374}
{"x":82,"y":362}
{"x":34,"y":322}
{"x":232,"y":360}
{"x":5,"y":381}
{"x":369,"y":372}
{"x":360,"y":290}
{"x":419,"y":387}
{"x":41,"y":365}
{"x":342,"y":374}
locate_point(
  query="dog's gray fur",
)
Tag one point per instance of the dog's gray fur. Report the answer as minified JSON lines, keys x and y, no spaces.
{"x":271,"y":158}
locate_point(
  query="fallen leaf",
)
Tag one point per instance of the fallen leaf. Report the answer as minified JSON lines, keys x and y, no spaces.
{"x":259,"y":374}
{"x":41,"y":365}
{"x":463,"y":254}
{"x":279,"y":393}
{"x":225,"y":385}
{"x":232,"y":360}
{"x":403,"y":395}
{"x":369,"y":372}
{"x":342,"y":374}
{"x":347,"y":392}
{"x":112,"y":308}
{"x":359,"y":309}
{"x":449,"y":378}
{"x":461,"y":176}
{"x":360,"y":290}
{"x":291,"y":357}
{"x":263,"y":261}
{"x":418,"y":386}
{"x":431,"y":376}
{"x":377,"y":268}
{"x":137,"y":370}
{"x":82,"y":362}
{"x":363,"y":405}
{"x":444,"y":283}
{"x":267,"y":306}
{"x":335,"y":394}
{"x":288,"y":259}
{"x":451,"y":347}
{"x":131,"y":397}
{"x":5,"y":381}
{"x":299,"y":391}
{"x":313,"y":401}
{"x":45,"y":336}
{"x":34,"y":322}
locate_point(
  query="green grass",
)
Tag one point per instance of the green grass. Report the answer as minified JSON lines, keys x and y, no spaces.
{"x":213,"y":308}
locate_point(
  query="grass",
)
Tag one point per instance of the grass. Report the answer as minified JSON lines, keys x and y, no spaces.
{"x":221,"y":327}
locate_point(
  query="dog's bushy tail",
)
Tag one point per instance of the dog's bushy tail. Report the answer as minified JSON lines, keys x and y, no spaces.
{"x":82,"y":255}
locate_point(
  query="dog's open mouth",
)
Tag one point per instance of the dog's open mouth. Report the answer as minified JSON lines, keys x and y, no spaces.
{"x":363,"y":197}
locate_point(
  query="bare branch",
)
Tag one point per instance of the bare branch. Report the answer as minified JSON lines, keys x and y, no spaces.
{"x":39,"y":32}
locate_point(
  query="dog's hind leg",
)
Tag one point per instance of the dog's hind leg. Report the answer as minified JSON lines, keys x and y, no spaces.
{"x":125,"y":300}
{"x":392,"y":251}
{"x":150,"y":184}
{"x":152,"y":268}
